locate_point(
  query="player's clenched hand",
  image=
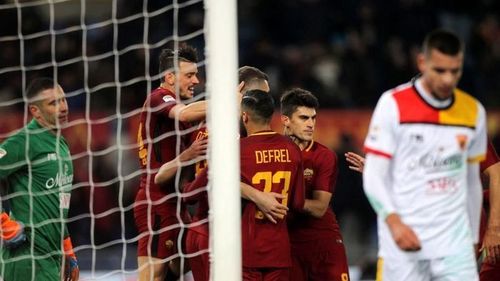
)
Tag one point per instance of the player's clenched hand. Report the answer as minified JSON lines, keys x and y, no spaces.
{"x":402,"y":234}
{"x":491,"y":245}
{"x":357,"y":162}
{"x":197,"y":151}
{"x":12,"y":232}
{"x":268,"y":203}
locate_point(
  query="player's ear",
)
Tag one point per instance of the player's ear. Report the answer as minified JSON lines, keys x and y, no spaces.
{"x":170,"y":78}
{"x":421,"y":62}
{"x":244,"y":117}
{"x":34,"y":110}
{"x":285,"y":120}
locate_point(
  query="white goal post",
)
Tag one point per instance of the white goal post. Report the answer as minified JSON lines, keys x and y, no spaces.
{"x":225,"y":214}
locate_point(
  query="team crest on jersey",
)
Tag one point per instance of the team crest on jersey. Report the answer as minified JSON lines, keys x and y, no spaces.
{"x":168,"y":98}
{"x":462,"y":141}
{"x":3,"y":152}
{"x":308,"y":174}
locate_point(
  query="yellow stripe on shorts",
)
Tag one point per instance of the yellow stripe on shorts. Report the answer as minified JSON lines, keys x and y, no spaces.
{"x":380,"y":269}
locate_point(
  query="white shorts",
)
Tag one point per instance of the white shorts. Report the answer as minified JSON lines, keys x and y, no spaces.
{"x":452,"y":268}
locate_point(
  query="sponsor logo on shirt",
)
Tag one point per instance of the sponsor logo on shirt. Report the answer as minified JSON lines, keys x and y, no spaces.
{"x":60,"y":180}
{"x":435,"y":163}
{"x":2,"y":153}
{"x":64,"y":199}
{"x":443,"y":185}
{"x":168,"y":98}
{"x":51,"y":157}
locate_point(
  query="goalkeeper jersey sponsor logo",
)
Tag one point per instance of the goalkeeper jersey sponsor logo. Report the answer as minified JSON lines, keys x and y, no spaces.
{"x":2,"y":153}
{"x":64,"y":199}
{"x":60,"y":180}
{"x":51,"y":157}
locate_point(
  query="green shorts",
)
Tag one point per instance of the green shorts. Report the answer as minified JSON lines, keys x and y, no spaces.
{"x":21,"y":264}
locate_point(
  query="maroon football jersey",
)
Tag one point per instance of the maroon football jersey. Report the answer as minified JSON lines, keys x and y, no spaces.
{"x":491,"y":157}
{"x":199,"y":134}
{"x":158,"y":140}
{"x":270,"y":162}
{"x":320,"y":173}
{"x":198,"y":194}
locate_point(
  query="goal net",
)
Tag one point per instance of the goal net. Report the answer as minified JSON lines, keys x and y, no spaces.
{"x":104,"y":54}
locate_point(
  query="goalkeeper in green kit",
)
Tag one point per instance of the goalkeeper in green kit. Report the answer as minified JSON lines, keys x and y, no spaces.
{"x":35,"y":164}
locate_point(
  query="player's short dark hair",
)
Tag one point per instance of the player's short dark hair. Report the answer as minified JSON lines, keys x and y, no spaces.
{"x":259,"y":104}
{"x":294,"y":98}
{"x":444,"y":41}
{"x":167,"y":58}
{"x":39,"y":85}
{"x":252,"y":76}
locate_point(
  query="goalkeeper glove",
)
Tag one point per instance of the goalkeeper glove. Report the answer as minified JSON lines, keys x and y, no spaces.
{"x":71,"y":270}
{"x":12,"y":232}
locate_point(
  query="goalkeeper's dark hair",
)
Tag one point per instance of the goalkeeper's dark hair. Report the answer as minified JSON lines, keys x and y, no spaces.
{"x":444,"y":41}
{"x":168,"y":58}
{"x":259,"y":104}
{"x":294,"y":98}
{"x":38,"y":85}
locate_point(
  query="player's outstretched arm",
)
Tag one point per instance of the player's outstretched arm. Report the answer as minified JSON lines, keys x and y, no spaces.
{"x":192,"y":112}
{"x":196,"y":152}
{"x":356,"y":161}
{"x":491,"y":241}
{"x":267,"y":202}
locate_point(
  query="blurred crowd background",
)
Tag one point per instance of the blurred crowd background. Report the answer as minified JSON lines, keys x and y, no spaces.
{"x":346,"y":52}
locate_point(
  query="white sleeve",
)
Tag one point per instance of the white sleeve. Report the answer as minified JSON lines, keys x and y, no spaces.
{"x":474,"y":198}
{"x":476,"y":151}
{"x":381,"y":138}
{"x":376,"y":184}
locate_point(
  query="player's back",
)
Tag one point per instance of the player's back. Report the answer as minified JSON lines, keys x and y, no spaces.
{"x":270,"y":162}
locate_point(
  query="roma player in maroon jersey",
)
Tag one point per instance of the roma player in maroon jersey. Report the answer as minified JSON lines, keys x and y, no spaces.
{"x":197,"y":236}
{"x":490,"y":226}
{"x":155,"y":205}
{"x":270,"y":162}
{"x":317,"y":248}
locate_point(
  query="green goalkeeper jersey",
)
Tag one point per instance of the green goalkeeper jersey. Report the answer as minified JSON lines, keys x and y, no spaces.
{"x":36,"y":165}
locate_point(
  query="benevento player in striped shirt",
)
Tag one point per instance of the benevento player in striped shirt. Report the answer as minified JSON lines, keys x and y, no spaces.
{"x":425,"y":141}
